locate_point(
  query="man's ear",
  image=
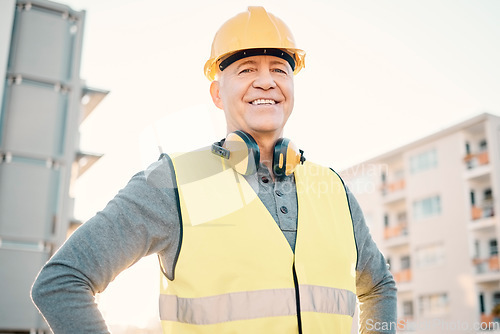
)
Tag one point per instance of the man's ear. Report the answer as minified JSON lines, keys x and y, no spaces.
{"x":215,"y":93}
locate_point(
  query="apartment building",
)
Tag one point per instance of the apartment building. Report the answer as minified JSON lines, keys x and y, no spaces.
{"x":432,"y":207}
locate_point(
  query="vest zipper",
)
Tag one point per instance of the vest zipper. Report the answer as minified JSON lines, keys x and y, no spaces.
{"x":297,"y":298}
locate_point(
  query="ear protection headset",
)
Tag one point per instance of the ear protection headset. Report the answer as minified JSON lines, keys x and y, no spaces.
{"x":243,"y":154}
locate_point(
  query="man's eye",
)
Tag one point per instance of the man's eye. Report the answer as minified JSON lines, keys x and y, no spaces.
{"x":246,"y":70}
{"x":279,"y":70}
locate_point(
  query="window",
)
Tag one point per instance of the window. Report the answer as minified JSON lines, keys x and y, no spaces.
{"x":402,"y":222}
{"x":405,"y":262}
{"x":481,"y":303}
{"x":383,"y":177}
{"x":386,"y":220}
{"x":476,"y":249}
{"x":496,"y":298}
{"x":430,"y":255}
{"x":488,"y":204}
{"x":427,"y":207}
{"x":472,"y":198}
{"x":433,"y":305}
{"x":493,"y":247}
{"x":483,"y":145}
{"x":423,"y":161}
{"x":408,"y":308}
{"x":488,"y":194}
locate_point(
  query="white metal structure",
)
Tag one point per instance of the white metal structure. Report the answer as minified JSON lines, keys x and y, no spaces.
{"x":40,"y":112}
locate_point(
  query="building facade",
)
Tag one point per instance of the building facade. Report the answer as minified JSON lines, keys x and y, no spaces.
{"x":432,"y":207}
{"x":43,"y":100}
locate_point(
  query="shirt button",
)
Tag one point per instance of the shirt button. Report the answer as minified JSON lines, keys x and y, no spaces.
{"x":265,"y":179}
{"x":284,"y":209}
{"x":279,"y":193}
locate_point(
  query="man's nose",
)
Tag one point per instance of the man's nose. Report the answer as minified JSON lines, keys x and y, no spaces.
{"x":264,"y":80}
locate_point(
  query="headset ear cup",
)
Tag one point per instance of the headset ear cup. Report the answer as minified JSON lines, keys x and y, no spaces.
{"x":244,"y":152}
{"x":285,"y":158}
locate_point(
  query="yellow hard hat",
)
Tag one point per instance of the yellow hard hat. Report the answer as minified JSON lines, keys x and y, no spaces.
{"x":251,"y":33}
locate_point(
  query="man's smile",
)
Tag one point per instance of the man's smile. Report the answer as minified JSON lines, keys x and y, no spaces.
{"x":263,"y":101}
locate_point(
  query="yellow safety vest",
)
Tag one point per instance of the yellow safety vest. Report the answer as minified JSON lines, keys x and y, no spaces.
{"x":236,"y":272}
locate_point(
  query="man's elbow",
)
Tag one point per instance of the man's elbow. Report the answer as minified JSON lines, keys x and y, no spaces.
{"x":38,"y":292}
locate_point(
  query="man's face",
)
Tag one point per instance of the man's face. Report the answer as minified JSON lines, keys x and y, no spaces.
{"x":256,"y":94}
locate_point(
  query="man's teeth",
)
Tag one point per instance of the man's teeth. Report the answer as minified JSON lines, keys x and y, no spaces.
{"x":263,"y":101}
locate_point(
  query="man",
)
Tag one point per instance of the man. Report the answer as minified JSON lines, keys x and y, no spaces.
{"x":251,"y":239}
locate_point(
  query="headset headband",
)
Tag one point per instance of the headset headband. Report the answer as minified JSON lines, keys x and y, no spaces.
{"x":243,"y":154}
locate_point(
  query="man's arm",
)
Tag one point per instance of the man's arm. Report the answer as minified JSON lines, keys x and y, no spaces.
{"x":140,"y":220}
{"x":375,"y":285}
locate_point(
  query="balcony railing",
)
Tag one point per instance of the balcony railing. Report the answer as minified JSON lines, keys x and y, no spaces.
{"x":478,"y":159}
{"x":486,"y":318}
{"x":486,"y":265}
{"x":489,"y":321}
{"x":484,"y":211}
{"x":395,"y":231}
{"x":402,"y":276}
{"x":391,"y":187}
{"x":405,"y":324}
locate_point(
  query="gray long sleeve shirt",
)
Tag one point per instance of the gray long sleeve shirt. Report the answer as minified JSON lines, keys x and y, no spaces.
{"x":142,"y":219}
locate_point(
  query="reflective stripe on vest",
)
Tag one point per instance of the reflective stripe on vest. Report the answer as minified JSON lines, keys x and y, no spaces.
{"x":234,"y":270}
{"x":256,"y":304}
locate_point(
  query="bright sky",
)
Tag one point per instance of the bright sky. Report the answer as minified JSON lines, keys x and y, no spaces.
{"x":379,"y":74}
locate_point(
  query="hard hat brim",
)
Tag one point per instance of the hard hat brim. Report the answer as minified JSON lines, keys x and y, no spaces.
{"x":295,"y":57}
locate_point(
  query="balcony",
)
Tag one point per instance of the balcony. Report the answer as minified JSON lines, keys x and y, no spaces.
{"x":390,"y":187}
{"x":393,"y":191}
{"x":477,"y":166}
{"x":403,"y":280}
{"x":406,"y":323}
{"x":402,"y":276}
{"x":476,"y":160}
{"x":400,"y":229}
{"x":483,"y":225}
{"x":484,"y":211}
{"x":487,"y":318}
{"x":396,"y":235}
{"x":487,"y":269}
{"x":488,"y":321}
